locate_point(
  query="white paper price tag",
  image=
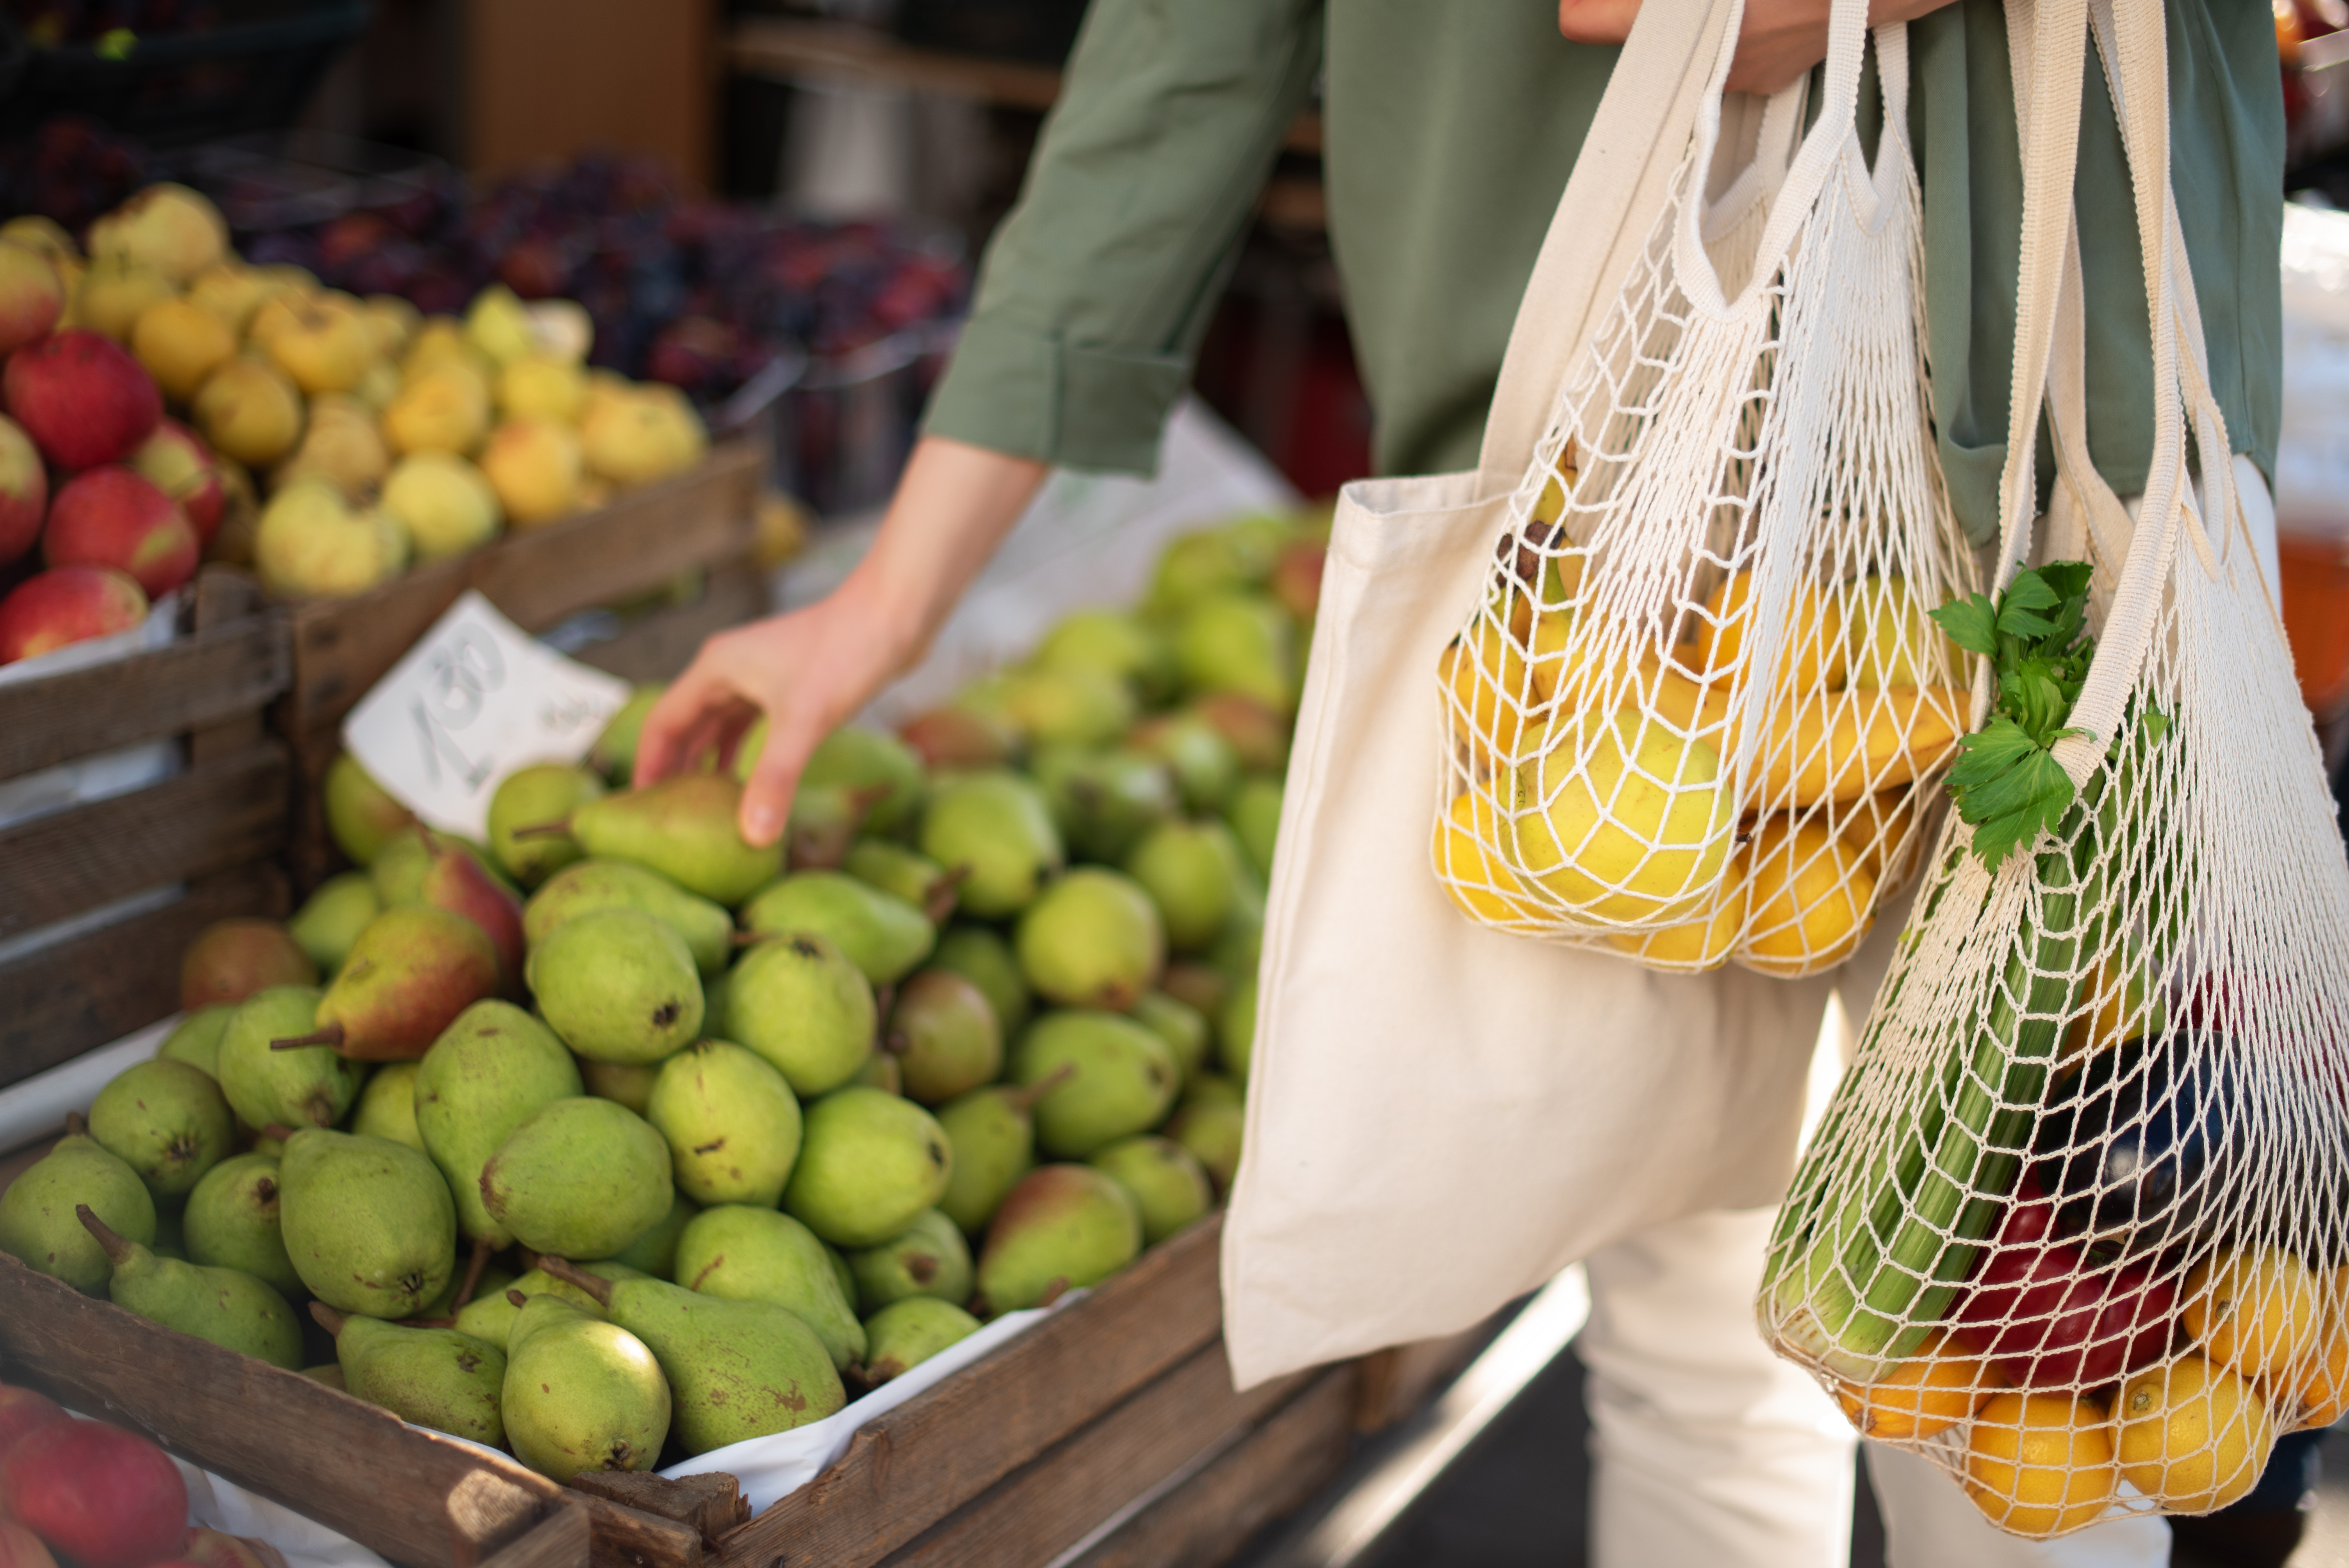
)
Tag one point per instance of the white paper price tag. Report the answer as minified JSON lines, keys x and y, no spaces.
{"x":476,"y":699}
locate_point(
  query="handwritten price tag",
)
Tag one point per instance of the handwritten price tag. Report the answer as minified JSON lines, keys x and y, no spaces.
{"x":475,"y":700}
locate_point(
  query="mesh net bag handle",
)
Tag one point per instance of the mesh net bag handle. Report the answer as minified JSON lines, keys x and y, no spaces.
{"x":2074,"y":1225}
{"x":1698,"y":715}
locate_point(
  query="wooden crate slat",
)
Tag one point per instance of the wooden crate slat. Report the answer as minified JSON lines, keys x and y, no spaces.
{"x":198,"y":680}
{"x":415,"y":1498}
{"x":206,"y":819}
{"x":559,"y":1540}
{"x":623,"y":1537}
{"x":61,"y":1001}
{"x":658,"y":647}
{"x":912,"y":1466}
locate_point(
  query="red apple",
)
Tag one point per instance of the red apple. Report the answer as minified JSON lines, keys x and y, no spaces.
{"x":176,"y":460}
{"x":98,"y":1494}
{"x":24,"y":491}
{"x":82,"y":398}
{"x":113,"y":516}
{"x":71,"y":605}
{"x":22,"y":1410}
{"x":32,"y":295}
{"x":20,"y":1548}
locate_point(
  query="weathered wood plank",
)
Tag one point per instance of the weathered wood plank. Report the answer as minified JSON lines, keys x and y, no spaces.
{"x":658,"y":647}
{"x":561,"y":1538}
{"x":198,"y":680}
{"x":711,"y":1503}
{"x":413,"y":1497}
{"x":921,"y":1461}
{"x":623,"y":1537}
{"x":61,"y":1001}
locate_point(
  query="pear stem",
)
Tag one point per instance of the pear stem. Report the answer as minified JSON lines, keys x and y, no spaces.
{"x":327,"y":1318}
{"x":474,"y":1267}
{"x":1025,"y":1098}
{"x":331,"y":1036}
{"x":116,"y":1249}
{"x":517,"y":1298}
{"x":571,"y":1274}
{"x":561,"y":830}
{"x":76,"y":1125}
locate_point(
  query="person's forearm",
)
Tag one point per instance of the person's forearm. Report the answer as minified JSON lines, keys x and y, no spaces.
{"x":951,"y":510}
{"x":1777,"y":41}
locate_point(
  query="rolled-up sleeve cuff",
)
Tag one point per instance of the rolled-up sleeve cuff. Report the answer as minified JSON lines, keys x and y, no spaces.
{"x":1030,"y":394}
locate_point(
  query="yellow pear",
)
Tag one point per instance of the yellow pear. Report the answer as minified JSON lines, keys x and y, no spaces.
{"x":443,"y":408}
{"x":647,"y":435}
{"x":232,"y":542}
{"x":1815,"y":658}
{"x":1624,"y":819}
{"x":378,"y":387}
{"x":231,"y":292}
{"x":441,"y":340}
{"x":562,"y":329}
{"x":499,"y":325}
{"x":603,"y":387}
{"x":390,"y":320}
{"x":342,"y":446}
{"x":180,"y":344}
{"x":249,"y":411}
{"x":46,"y":235}
{"x":443,"y":503}
{"x":533,"y":466}
{"x":278,"y":312}
{"x":312,"y":543}
{"x":326,"y":345}
{"x":114,"y":294}
{"x":1810,"y":900}
{"x":541,"y":386}
{"x":1469,"y":861}
{"x":174,"y":229}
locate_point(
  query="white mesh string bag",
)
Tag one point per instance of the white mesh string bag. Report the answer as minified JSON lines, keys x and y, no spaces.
{"x":1699,"y":711}
{"x":2072,"y":1225}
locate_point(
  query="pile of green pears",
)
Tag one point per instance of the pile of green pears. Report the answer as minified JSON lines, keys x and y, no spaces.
{"x":617,"y":1140}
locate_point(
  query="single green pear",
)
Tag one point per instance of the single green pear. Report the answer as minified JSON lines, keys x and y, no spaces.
{"x":232,"y":1310}
{"x":412,"y":972}
{"x":1068,"y":704}
{"x":331,"y":919}
{"x":879,"y":933}
{"x":1103,"y":802}
{"x":998,"y":824}
{"x":869,"y":1164}
{"x":1181,"y":1025}
{"x":1211,"y":1129}
{"x":311,"y":1086}
{"x":1092,"y":939}
{"x":736,"y":1369}
{"x":801,"y":1004}
{"x":482,"y":1079}
{"x":1167,"y":1184}
{"x":531,"y":797}
{"x":196,"y":1038}
{"x":1191,"y":872}
{"x":614,"y":755}
{"x":877,"y":765}
{"x":618,"y":986}
{"x":930,"y":1258}
{"x":581,"y":1394}
{"x":1254,"y":814}
{"x":490,"y":1316}
{"x":684,"y":828}
{"x":993,"y":1131}
{"x":585,"y":885}
{"x":623,"y":1083}
{"x":361,"y":815}
{"x":982,"y":957}
{"x":387,"y":1106}
{"x":1116,"y":642}
{"x":880,"y":1071}
{"x":1063,"y":1227}
{"x":1239,"y":948}
{"x":368,"y":1223}
{"x":905,"y":873}
{"x":906,"y":1333}
{"x":1238,"y":1031}
{"x":435,"y":1378}
{"x":655,"y":1251}
{"x":167,"y":1121}
{"x":39,"y":1226}
{"x":943,"y":1037}
{"x":1202,"y":987}
{"x":581,"y":1178}
{"x":731,"y":1123}
{"x":1206,"y":769}
{"x":1243,"y":643}
{"x":1122,"y":1078}
{"x":1208,"y":562}
{"x":738,"y":1252}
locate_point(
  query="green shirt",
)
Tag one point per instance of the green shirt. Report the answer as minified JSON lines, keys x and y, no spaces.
{"x":1448,"y":131}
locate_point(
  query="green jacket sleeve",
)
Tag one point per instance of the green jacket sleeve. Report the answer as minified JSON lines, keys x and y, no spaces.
{"x":1096,"y":288}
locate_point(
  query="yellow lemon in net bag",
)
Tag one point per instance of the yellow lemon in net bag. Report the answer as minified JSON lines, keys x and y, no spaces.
{"x":1704,"y":942}
{"x":1467,"y":858}
{"x":1816,"y":657}
{"x":1889,"y":642}
{"x":1930,"y":1392}
{"x":2321,"y":1397}
{"x":1843,"y":745}
{"x":1623,"y":818}
{"x":2194,"y":1435}
{"x":2257,"y":1310}
{"x":1811,"y":900}
{"x":2040,"y":1464}
{"x":1485,"y":675}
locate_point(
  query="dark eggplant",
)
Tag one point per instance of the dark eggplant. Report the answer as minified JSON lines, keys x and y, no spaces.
{"x":2135,"y":1147}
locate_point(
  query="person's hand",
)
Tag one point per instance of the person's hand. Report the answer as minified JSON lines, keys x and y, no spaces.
{"x":811,"y":670}
{"x":1777,"y":41}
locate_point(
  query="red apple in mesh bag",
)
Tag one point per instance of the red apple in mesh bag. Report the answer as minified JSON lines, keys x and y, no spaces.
{"x":24,"y":491}
{"x":32,"y":295}
{"x":104,"y":1497}
{"x":82,"y":397}
{"x":111,"y":516}
{"x":177,"y":462}
{"x":70,"y":605}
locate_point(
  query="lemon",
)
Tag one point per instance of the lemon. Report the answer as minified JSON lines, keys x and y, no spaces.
{"x":1874,"y":827}
{"x":2194,"y":1436}
{"x":1930,"y":1392}
{"x":1890,"y":641}
{"x":1485,"y":675}
{"x":1474,"y":875}
{"x":1811,"y":900}
{"x":2256,"y":1310}
{"x":1814,"y":659}
{"x":2323,"y":1392}
{"x":2040,"y":1464}
{"x":1704,"y":942}
{"x":1841,"y":745}
{"x":1623,"y":818}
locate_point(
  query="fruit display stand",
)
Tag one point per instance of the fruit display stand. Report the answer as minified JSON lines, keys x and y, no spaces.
{"x":698,"y":522}
{"x":212,"y":830}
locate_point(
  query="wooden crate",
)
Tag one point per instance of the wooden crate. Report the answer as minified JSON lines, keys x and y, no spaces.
{"x":216,"y":827}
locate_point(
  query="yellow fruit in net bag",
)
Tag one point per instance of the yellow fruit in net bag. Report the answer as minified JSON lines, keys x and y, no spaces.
{"x":1873,"y":828}
{"x":2040,"y":1464}
{"x":2194,"y":1435}
{"x":1468,"y":860}
{"x":1485,"y":675}
{"x":2256,"y":1310}
{"x":1889,"y":640}
{"x":1704,"y":942}
{"x":1930,"y":1392}
{"x":2321,"y":1395}
{"x":1814,"y":660}
{"x":1623,"y":818}
{"x":1842,"y":745}
{"x":1810,"y":900}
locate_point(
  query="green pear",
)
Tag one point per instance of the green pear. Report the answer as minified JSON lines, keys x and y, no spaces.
{"x":311,"y":1086}
{"x":825,"y":822}
{"x":982,"y":957}
{"x":998,"y":824}
{"x":1103,"y":802}
{"x":943,"y":1037}
{"x":1091,"y":940}
{"x":1240,"y":946}
{"x":625,"y":1083}
{"x":585,"y":885}
{"x":1116,"y":642}
{"x":736,"y":1369}
{"x":1181,"y":1025}
{"x":399,"y":872}
{"x":869,"y":1164}
{"x":435,"y":1378}
{"x":1202,"y":987}
{"x":655,"y":1251}
{"x":484,"y":1076}
{"x":1214,"y":1088}
{"x":801,"y":1004}
{"x":413,"y":969}
{"x":581,"y":1394}
{"x":684,"y":828}
{"x":1062,"y":1227}
{"x":368,"y":1223}
{"x":883,"y":769}
{"x":1211,"y":1130}
{"x":618,"y":986}
{"x":196,"y":1039}
{"x":905,"y":1333}
{"x":490,"y":1316}
{"x":167,"y":1121}
{"x":738,"y":1252}
{"x":731,"y":1123}
{"x":904,"y":873}
{"x":1191,"y":871}
{"x":614,"y":755}
{"x":1167,"y":1184}
{"x":993,"y":1134}
{"x":232,"y":1222}
{"x":532,"y":797}
{"x":1253,"y":815}
{"x":930,"y":1258}
{"x":1210,"y":561}
{"x":581,"y":1178}
{"x":331,"y":919}
{"x":1238,"y":1031}
{"x":387,"y":1106}
{"x":1257,"y":735}
{"x":1068,"y":704}
{"x":879,"y":933}
{"x":39,"y":1228}
{"x":232,"y":1310}
{"x":1242,"y":643}
{"x":1206,"y":768}
{"x":1122,"y":1078}
{"x":361,"y":815}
